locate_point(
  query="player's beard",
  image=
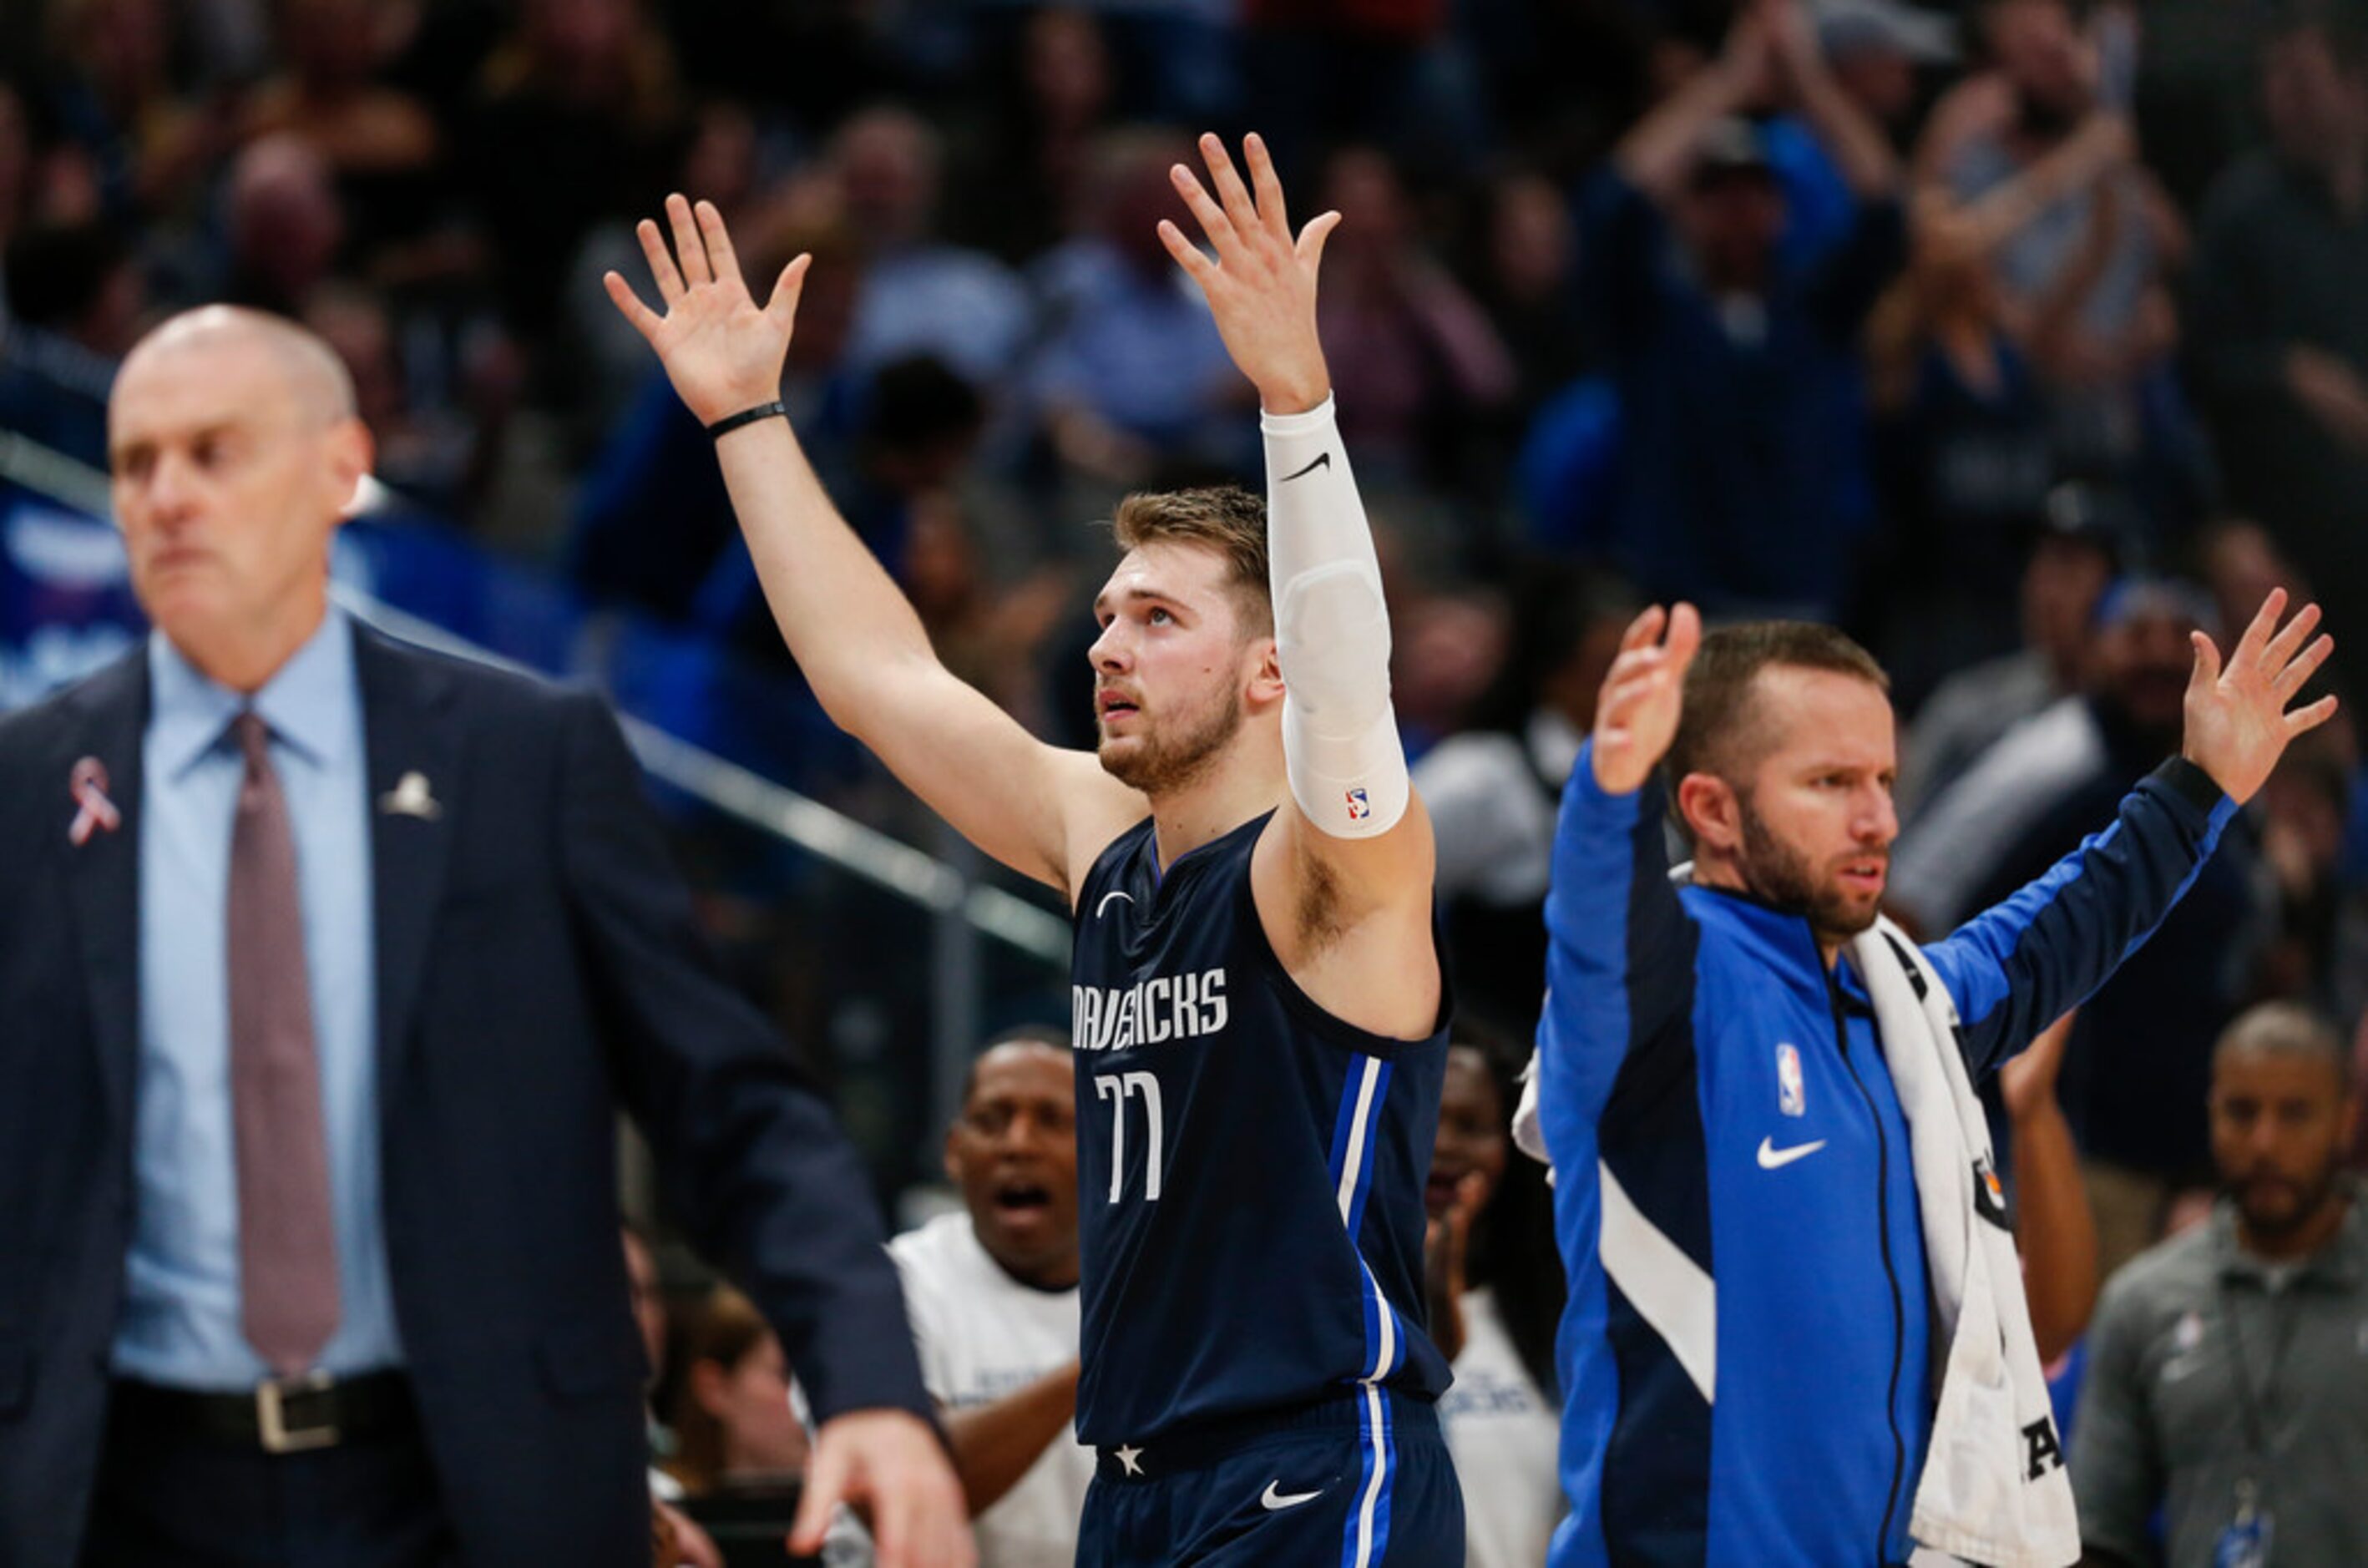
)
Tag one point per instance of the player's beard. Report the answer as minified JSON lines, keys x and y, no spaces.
{"x":1778,"y":874}
{"x":1163,"y":761}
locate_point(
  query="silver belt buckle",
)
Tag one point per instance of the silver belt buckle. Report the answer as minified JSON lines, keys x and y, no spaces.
{"x":272,"y":1415}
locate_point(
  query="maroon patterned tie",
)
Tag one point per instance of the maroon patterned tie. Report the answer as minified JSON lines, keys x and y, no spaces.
{"x":287,"y":1241}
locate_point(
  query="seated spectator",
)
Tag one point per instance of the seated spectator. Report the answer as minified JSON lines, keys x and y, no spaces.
{"x":920,"y":295}
{"x":2280,"y":324}
{"x":734,"y":1428}
{"x":1744,"y":462}
{"x":2070,"y":561}
{"x":2140,"y":1055}
{"x":2226,"y":1389}
{"x":1130,"y":372}
{"x":1496,"y":1299}
{"x":992,"y":1290}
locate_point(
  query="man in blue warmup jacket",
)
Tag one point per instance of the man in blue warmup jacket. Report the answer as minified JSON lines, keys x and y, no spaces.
{"x":1747,"y":1352}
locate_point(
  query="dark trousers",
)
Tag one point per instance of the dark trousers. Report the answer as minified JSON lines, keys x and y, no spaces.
{"x":172,"y":1499}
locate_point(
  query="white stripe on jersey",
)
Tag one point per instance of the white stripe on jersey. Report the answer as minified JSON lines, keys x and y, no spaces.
{"x":1353,"y":1164}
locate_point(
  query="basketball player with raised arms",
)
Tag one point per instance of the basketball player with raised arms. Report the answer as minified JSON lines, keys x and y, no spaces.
{"x":1259,"y":1012}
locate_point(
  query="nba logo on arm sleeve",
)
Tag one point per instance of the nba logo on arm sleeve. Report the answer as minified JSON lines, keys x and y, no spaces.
{"x":1359,"y":808}
{"x":1792,"y":1096}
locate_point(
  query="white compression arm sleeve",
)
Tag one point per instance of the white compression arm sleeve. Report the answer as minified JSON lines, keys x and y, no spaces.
{"x":1332,"y":632}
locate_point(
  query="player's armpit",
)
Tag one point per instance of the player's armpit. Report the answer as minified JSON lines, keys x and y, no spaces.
{"x":1350,"y":919}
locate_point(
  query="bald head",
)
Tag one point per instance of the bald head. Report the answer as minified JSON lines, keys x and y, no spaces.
{"x":234,"y":454}
{"x":315,"y":377}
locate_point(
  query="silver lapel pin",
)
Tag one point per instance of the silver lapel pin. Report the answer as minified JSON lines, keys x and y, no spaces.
{"x":410,"y":798}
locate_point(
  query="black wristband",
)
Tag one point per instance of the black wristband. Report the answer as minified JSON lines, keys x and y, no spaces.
{"x":732,"y":422}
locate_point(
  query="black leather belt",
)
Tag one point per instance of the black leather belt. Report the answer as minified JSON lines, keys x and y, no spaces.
{"x":287,"y":1417}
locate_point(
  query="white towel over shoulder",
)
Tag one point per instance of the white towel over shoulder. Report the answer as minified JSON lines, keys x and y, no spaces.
{"x":1994,"y":1490}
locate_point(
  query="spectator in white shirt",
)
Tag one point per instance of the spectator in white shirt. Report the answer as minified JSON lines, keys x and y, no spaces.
{"x":993,"y":1295}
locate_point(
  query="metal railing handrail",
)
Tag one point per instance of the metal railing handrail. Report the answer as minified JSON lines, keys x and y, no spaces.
{"x":772,"y":808}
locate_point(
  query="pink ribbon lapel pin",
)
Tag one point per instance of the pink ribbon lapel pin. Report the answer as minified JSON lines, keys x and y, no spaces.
{"x":94,"y":812}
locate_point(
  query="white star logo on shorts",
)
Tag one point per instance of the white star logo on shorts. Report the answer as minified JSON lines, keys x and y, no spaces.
{"x":1127,"y":1455}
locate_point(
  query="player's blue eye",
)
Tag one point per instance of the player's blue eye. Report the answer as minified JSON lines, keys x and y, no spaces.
{"x":1160,"y":616}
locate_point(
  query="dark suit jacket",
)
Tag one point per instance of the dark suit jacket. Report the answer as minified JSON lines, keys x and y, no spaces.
{"x":536,"y":967}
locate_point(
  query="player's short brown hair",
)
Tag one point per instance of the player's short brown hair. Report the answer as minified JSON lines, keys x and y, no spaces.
{"x":1718,"y":732}
{"x":1223,"y":517}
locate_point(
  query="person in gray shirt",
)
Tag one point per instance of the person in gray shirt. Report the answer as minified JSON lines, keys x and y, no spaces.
{"x":2227,"y":1376}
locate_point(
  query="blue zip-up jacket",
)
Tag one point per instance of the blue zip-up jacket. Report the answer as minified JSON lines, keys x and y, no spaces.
{"x":1745,"y":1353}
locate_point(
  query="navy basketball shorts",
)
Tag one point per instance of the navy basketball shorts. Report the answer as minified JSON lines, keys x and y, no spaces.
{"x":1360,"y":1482}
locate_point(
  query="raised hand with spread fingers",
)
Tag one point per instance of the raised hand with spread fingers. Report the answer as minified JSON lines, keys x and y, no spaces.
{"x":721,"y":349}
{"x":1261,"y":284}
{"x":2239,"y":718}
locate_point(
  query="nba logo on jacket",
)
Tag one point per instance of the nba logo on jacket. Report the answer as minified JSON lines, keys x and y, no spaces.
{"x":1791,"y":1097}
{"x":1359,"y":808}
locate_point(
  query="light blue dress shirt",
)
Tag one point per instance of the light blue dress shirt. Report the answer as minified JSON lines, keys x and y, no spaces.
{"x":181,"y":1317}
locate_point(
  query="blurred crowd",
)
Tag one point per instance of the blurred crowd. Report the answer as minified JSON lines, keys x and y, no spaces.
{"x":2020,"y":337}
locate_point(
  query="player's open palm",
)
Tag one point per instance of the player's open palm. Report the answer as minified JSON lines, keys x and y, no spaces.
{"x":721,"y":351}
{"x":1261,"y":287}
{"x":2239,"y":716}
{"x":1637,"y":715}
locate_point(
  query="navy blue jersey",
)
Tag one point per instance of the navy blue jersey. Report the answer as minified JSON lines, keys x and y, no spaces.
{"x":1250,"y":1169}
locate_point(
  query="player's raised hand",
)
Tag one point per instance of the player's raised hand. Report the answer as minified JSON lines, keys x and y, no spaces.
{"x":2238,"y":721}
{"x":1636,"y":716}
{"x":722,"y":351}
{"x":1261,"y":286}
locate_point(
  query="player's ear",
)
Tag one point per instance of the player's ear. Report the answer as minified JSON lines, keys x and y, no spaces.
{"x":1266,"y":673}
{"x":1713,"y":814}
{"x":953,"y":1166}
